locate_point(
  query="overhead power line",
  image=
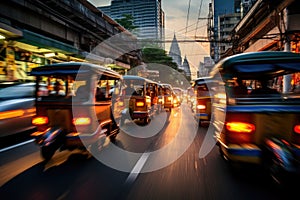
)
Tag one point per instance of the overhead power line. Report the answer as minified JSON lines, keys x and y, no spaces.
{"x":187,"y":17}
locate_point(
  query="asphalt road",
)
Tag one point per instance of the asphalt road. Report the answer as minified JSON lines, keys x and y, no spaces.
{"x":158,"y":161}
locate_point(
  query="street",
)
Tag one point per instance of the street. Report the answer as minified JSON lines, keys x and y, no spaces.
{"x":179,"y":173}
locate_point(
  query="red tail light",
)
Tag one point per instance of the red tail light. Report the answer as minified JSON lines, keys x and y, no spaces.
{"x":240,"y":127}
{"x":82,"y":121}
{"x":140,"y":103}
{"x":297,"y":129}
{"x":39,"y":120}
{"x":201,"y":107}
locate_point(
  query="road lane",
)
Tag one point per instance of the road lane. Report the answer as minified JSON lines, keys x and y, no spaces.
{"x":78,"y":175}
{"x":190,"y":177}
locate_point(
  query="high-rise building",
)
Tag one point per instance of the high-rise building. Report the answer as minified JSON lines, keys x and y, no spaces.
{"x":147,"y":14}
{"x":226,"y":24}
{"x":218,"y":8}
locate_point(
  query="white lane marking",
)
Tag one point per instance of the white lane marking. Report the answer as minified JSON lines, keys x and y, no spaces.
{"x":16,"y":145}
{"x":137,"y":168}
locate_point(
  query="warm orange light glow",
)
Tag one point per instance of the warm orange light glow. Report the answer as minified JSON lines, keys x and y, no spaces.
{"x":140,"y":104}
{"x":170,"y":98}
{"x":82,"y":121}
{"x":39,"y":120}
{"x":121,"y":103}
{"x":11,"y":114}
{"x":148,"y":100}
{"x":240,"y":127}
{"x":201,"y":107}
{"x":31,"y":110}
{"x":297,"y":129}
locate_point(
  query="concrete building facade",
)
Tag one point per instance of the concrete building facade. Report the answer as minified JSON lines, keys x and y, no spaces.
{"x":148,"y":16}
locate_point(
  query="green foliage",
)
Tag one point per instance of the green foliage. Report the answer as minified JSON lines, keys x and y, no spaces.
{"x":127,"y":22}
{"x":159,"y":56}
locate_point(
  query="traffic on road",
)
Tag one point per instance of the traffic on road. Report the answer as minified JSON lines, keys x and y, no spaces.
{"x":99,"y":138}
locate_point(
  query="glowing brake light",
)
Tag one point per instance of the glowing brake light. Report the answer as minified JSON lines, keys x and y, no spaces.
{"x":39,"y":120}
{"x":297,"y":129}
{"x":240,"y":127}
{"x":81,"y":121}
{"x":201,"y":107}
{"x":140,"y":104}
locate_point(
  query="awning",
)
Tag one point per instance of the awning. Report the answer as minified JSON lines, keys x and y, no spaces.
{"x":9,"y":31}
{"x":46,"y":42}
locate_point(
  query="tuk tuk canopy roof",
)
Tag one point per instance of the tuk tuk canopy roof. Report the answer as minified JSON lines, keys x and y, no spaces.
{"x":265,"y":63}
{"x":203,"y":80}
{"x":73,"y":68}
{"x":138,"y":78}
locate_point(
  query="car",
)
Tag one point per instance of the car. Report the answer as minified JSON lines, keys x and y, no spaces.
{"x":17,"y":107}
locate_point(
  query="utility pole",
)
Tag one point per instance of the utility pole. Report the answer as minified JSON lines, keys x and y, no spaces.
{"x":287,"y":47}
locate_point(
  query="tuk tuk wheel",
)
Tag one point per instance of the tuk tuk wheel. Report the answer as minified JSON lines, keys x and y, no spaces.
{"x":97,"y":146}
{"x":274,"y":170}
{"x":122,"y":121}
{"x":146,"y":120}
{"x":47,"y":152}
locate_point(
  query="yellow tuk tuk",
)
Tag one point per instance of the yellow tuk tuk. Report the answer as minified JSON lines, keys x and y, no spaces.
{"x":140,"y":97}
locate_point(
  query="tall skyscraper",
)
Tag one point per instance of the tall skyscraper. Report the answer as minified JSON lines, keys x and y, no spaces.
{"x":147,"y":14}
{"x":218,"y":8}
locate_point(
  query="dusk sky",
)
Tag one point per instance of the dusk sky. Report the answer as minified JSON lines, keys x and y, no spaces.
{"x":176,"y":15}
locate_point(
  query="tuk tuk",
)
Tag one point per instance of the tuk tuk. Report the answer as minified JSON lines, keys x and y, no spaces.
{"x":140,"y":97}
{"x":190,"y":96}
{"x":161,"y":100}
{"x":202,"y":104}
{"x":257,"y":113}
{"x":168,"y":96}
{"x":179,"y":95}
{"x":75,"y":108}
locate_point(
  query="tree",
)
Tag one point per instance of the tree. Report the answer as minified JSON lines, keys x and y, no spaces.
{"x":127,"y":22}
{"x":157,"y":59}
{"x":159,"y":56}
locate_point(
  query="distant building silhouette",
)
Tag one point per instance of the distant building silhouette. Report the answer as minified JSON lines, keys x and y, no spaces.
{"x":175,"y":52}
{"x":186,"y":68}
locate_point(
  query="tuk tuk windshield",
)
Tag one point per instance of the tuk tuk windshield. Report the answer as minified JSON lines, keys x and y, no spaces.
{"x":54,"y":87}
{"x":202,"y":90}
{"x":262,"y":86}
